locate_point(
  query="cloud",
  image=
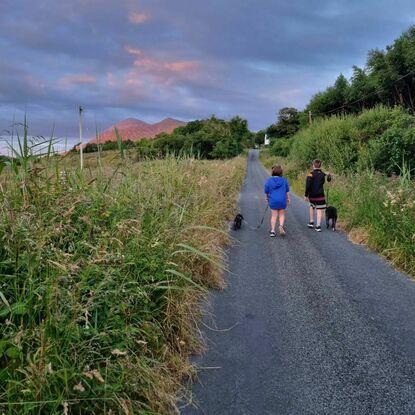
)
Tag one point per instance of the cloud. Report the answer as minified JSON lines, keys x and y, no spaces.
{"x":184,"y":59}
{"x":138,"y":18}
{"x":133,"y":51}
{"x":163,"y":71}
{"x":68,"y":81}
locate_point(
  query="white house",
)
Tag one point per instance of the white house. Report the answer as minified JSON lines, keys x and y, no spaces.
{"x":266,"y":140}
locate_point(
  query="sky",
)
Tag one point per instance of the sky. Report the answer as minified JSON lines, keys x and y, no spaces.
{"x":186,"y":59}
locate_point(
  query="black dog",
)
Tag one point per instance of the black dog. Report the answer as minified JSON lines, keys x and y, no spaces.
{"x":237,"y":222}
{"x":331,"y":215}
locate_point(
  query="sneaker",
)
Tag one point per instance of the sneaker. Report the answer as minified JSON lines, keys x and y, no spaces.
{"x":318,"y":228}
{"x":272,"y":234}
{"x":281,"y":231}
{"x":310,"y":225}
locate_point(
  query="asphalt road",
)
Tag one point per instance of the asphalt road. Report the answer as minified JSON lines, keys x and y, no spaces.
{"x":309,"y":324}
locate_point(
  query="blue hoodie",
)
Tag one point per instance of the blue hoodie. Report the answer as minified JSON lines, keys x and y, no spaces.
{"x":276,"y":188}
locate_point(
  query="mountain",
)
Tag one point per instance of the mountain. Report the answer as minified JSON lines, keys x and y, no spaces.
{"x":135,"y":130}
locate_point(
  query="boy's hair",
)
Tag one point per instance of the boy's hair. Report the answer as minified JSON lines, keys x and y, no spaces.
{"x":276,"y":171}
{"x":316,"y":163}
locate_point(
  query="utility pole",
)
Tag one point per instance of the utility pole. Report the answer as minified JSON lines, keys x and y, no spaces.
{"x":310,"y":119}
{"x":81,"y":152}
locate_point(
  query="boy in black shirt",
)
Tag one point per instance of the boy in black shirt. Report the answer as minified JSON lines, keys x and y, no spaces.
{"x":314,"y":193}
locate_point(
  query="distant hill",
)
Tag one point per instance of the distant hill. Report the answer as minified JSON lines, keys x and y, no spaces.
{"x":135,"y":130}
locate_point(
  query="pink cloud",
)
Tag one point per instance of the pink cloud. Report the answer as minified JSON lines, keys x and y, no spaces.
{"x":181,"y":66}
{"x":150,"y":77}
{"x":69,"y":80}
{"x":138,"y":18}
{"x":164,"y":71}
{"x":133,"y":51}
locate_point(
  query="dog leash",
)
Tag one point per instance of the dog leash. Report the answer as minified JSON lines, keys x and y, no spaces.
{"x":327,"y":193}
{"x":260,"y":223}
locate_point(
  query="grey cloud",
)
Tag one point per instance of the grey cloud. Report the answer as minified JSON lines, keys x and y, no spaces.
{"x":253,"y":56}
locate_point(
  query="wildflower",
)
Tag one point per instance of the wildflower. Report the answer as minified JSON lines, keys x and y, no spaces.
{"x":79,"y":387}
{"x":94,"y":374}
{"x":118,"y":352}
{"x":87,"y":319}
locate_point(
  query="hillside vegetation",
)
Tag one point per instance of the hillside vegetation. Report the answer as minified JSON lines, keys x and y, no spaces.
{"x":101,"y":272}
{"x":371,"y":156}
{"x":382,"y":139}
{"x":211,"y":138}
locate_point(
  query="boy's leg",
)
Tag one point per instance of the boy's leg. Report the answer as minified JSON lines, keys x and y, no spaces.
{"x":282,"y":221}
{"x":282,"y":217}
{"x":311,"y":214}
{"x":320,"y":213}
{"x":274,"y":215}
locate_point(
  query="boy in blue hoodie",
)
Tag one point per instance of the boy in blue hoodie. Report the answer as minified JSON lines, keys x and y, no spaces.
{"x":277,"y":191}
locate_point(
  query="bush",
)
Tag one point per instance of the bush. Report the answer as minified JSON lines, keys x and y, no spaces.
{"x":333,"y":140}
{"x":381,"y":138}
{"x":212,"y":139}
{"x":146,"y":150}
{"x":281,"y":147}
{"x":108,"y":145}
{"x":373,"y":123}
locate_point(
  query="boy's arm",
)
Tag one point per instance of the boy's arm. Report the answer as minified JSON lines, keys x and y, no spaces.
{"x":308,"y":184}
{"x":287,"y":189}
{"x":266,"y":191}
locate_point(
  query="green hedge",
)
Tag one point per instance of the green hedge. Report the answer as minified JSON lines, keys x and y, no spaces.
{"x":381,"y":138}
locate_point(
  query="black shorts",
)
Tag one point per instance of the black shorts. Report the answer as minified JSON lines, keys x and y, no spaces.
{"x":318,"y":204}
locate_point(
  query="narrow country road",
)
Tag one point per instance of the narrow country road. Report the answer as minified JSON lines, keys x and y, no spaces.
{"x":309,"y":324}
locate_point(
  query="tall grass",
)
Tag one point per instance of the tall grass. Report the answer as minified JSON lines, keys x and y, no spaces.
{"x":101,"y":271}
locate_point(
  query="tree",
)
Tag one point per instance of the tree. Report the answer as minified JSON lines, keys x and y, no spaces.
{"x":340,"y":93}
{"x":333,"y":100}
{"x":210,"y":138}
{"x":382,"y":76}
{"x":361,"y":93}
{"x":288,"y":123}
{"x":239,"y":129}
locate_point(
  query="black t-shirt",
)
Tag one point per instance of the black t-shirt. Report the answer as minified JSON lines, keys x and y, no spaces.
{"x":315,"y":183}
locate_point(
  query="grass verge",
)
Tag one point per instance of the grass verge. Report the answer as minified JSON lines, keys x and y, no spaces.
{"x":101,"y":273}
